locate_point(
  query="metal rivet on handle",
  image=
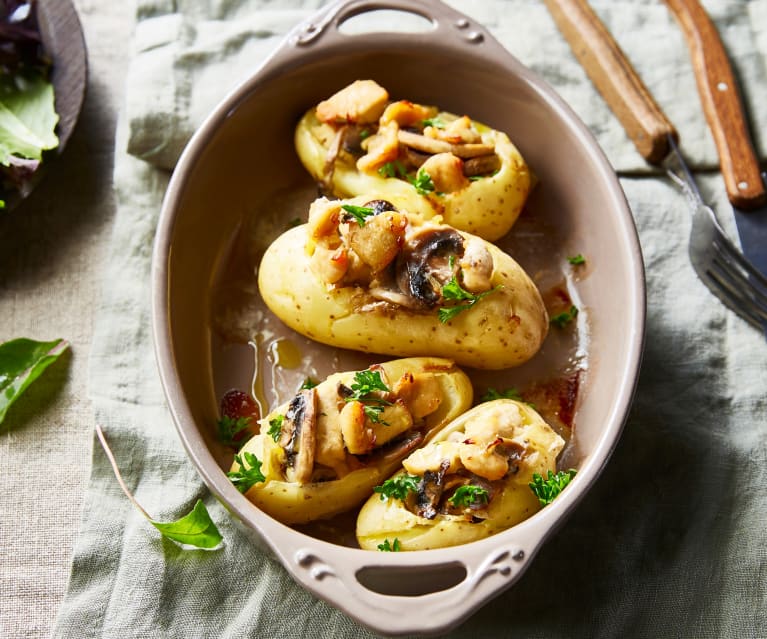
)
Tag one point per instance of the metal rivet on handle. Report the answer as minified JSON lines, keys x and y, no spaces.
{"x":722,"y":86}
{"x":743,"y":186}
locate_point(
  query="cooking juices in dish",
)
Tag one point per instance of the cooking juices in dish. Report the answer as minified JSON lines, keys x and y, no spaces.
{"x":436,"y":163}
{"x":324,"y":450}
{"x":401,"y":270}
{"x":372,"y":277}
{"x":471,"y":481}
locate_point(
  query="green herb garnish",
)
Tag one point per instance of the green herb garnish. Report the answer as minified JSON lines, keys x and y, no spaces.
{"x":469,"y":494}
{"x":453,"y":291}
{"x":398,"y":487}
{"x":245,"y":478}
{"x":437,"y":123}
{"x":393,"y":169}
{"x":364,"y":134}
{"x":563,"y":319}
{"x":547,"y":489}
{"x":229,"y":427}
{"x":194,"y":529}
{"x":422,"y":182}
{"x":359,"y":213}
{"x":387,"y":547}
{"x":275,"y":427}
{"x":576,"y":260}
{"x":509,"y":393}
{"x":309,"y":383}
{"x":22,"y":361}
{"x":365,"y":384}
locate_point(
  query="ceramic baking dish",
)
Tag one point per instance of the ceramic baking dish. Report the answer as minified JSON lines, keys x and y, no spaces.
{"x":243,"y":154}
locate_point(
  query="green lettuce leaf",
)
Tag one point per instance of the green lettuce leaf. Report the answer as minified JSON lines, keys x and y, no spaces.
{"x":22,"y":361}
{"x":27,"y":118}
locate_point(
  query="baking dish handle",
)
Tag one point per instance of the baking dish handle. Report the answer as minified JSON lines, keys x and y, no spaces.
{"x":415,"y":592}
{"x":447,"y":22}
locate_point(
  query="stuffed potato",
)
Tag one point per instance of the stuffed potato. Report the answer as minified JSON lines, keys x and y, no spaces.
{"x":322,"y":452}
{"x":437,"y":163}
{"x":470,"y":482}
{"x":377,"y":279}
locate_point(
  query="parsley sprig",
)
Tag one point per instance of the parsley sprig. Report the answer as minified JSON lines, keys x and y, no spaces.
{"x":563,"y":319}
{"x":437,"y":123}
{"x":576,"y":260}
{"x":398,"y":487}
{"x":308,"y":384}
{"x":393,"y":169}
{"x":469,"y":494}
{"x":365,"y":384}
{"x":422,"y":182}
{"x":275,"y":427}
{"x":229,"y":428}
{"x":453,"y":291}
{"x":359,"y":213}
{"x":509,"y":393}
{"x":245,"y":478}
{"x":390,"y":547}
{"x":547,"y":489}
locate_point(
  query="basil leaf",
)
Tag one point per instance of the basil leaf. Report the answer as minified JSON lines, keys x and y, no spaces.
{"x":22,"y":361}
{"x":195,"y":529}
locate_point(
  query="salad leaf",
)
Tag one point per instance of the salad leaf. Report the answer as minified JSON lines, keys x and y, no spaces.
{"x":194,"y":529}
{"x":27,"y":118}
{"x":22,"y":361}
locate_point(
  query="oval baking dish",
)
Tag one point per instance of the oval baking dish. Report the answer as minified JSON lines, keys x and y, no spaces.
{"x":244,"y":150}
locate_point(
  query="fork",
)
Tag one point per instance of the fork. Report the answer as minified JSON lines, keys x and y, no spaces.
{"x":719,"y":264}
{"x":717,"y":261}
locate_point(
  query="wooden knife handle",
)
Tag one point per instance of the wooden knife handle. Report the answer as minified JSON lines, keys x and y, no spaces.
{"x":721,"y":104}
{"x":614,"y":77}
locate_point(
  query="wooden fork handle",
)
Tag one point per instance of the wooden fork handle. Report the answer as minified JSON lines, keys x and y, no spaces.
{"x":721,"y":104}
{"x":614,"y":77}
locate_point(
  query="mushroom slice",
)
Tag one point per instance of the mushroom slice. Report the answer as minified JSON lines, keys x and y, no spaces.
{"x":430,"y":145}
{"x":424,"y":264}
{"x":298,"y":435}
{"x":429,"y":492}
{"x":481,"y":165}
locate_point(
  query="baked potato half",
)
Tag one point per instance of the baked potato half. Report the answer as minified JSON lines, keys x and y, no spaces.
{"x":369,"y":276}
{"x":471,"y":481}
{"x":358,"y":141}
{"x":322,"y":452}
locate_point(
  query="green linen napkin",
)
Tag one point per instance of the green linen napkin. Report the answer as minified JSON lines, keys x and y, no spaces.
{"x":670,"y":542}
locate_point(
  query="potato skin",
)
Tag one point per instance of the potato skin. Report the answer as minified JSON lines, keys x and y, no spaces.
{"x":487,"y":207}
{"x":380,"y":520}
{"x":293,"y":503}
{"x":504,"y":329}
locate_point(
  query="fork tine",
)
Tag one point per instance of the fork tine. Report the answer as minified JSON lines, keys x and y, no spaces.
{"x":743,"y":282}
{"x":726,"y":247}
{"x":733,"y":301}
{"x":743,"y":293}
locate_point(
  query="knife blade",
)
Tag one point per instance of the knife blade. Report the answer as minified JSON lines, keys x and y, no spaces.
{"x":656,"y":139}
{"x":727,"y":120}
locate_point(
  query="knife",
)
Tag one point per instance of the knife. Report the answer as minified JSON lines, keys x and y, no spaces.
{"x":657,"y":141}
{"x":722,"y":105}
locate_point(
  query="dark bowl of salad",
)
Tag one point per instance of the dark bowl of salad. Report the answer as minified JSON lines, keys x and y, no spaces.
{"x":42,"y":85}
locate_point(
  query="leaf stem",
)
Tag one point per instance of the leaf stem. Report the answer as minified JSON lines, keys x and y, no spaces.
{"x":116,"y":470}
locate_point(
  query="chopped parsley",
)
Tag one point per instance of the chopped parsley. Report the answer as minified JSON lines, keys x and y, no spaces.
{"x":364,"y":134}
{"x":563,"y":319}
{"x":509,"y":393}
{"x":437,"y":123}
{"x":576,"y":260}
{"x":547,"y":489}
{"x":422,"y":182}
{"x":309,"y":383}
{"x":245,"y":478}
{"x":453,"y":291}
{"x":398,"y":487}
{"x":387,"y":547}
{"x":364,"y":385}
{"x":275,"y":427}
{"x":469,"y":494}
{"x":230,"y":427}
{"x":359,"y":213}
{"x":393,"y":169}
